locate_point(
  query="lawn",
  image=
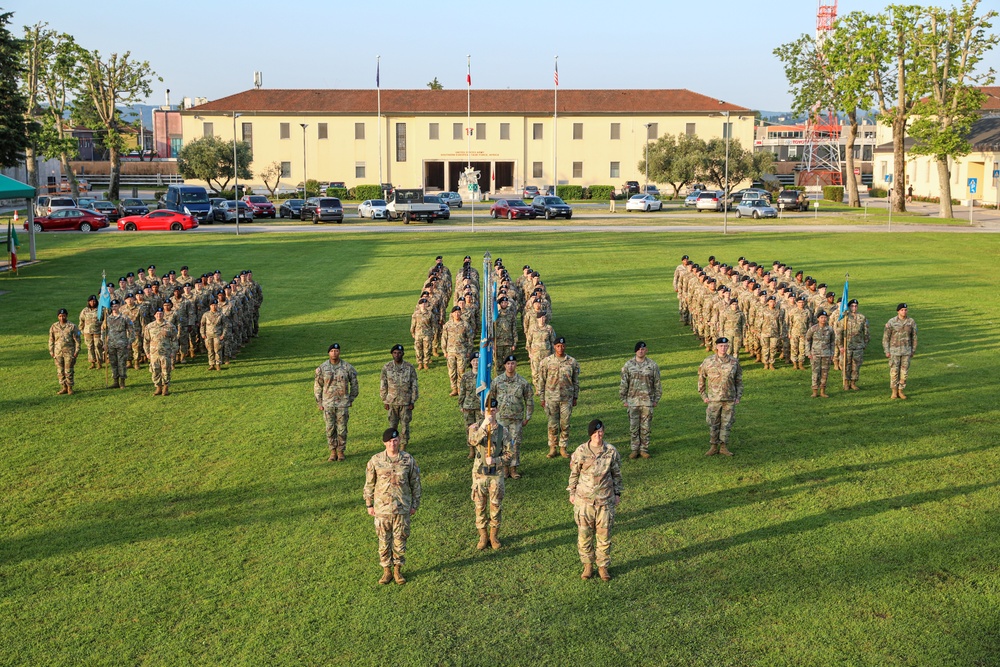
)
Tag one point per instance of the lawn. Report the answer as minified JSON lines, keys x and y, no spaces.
{"x":206,"y":527}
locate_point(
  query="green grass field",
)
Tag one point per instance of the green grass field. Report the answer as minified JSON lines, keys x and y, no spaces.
{"x":207,"y":528}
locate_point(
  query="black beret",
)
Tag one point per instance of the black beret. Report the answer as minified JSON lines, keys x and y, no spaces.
{"x":685,"y":257}
{"x":454,"y":308}
{"x":594,"y":425}
{"x":510,"y":357}
{"x":438,"y":257}
{"x":560,"y":341}
{"x":711,"y":258}
{"x":900,"y":307}
{"x":854,"y":301}
{"x":820,"y":285}
{"x":63,"y":311}
{"x":770,"y":298}
{"x":152,"y":266}
{"x":159,"y":310}
{"x":525,"y":267}
{"x":335,"y":346}
{"x":722,"y":340}
{"x":130,"y":296}
{"x":802,"y":299}
{"x":732,"y":301}
{"x":122,"y":279}
{"x":822,"y":313}
{"x":184,"y":268}
{"x":140,"y":270}
{"x":92,"y":297}
{"x":504,"y":299}
{"x":423,"y":301}
{"x":742,"y":259}
{"x":493,"y":403}
{"x":641,"y":344}
{"x":474,"y":358}
{"x":130,"y":275}
{"x":397,"y":346}
{"x":156,"y":282}
{"x":115,"y":302}
{"x":168,"y":303}
{"x":389,"y":434}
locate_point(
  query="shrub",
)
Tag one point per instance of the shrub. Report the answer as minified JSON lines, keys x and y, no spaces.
{"x":833,"y":193}
{"x":312,"y":188}
{"x":340,"y":193}
{"x":158,"y":195}
{"x":877,"y":192}
{"x":600,"y":192}
{"x":569,"y":191}
{"x":226,"y":194}
{"x":363,"y":192}
{"x":797,"y":188}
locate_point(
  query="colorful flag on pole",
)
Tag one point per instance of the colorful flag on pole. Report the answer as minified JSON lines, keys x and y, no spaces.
{"x":378,"y":67}
{"x":844,"y":299}
{"x":556,"y":77}
{"x":104,"y":301}
{"x":12,"y":243}
{"x":484,"y":372}
{"x":468,"y":75}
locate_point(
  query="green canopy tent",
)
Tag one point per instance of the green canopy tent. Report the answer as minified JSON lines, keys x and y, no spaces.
{"x":11,"y":189}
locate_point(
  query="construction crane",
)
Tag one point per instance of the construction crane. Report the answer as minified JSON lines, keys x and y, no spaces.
{"x":821,"y":156}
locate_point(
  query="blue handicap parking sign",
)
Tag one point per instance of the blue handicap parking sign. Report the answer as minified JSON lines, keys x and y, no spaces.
{"x":973,"y":182}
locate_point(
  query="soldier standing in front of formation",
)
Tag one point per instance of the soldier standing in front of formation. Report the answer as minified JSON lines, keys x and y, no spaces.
{"x":899,"y":342}
{"x":492,"y":454}
{"x":118,"y":334}
{"x":398,"y":392}
{"x":516,"y":405}
{"x":720,"y":383}
{"x":468,"y":399}
{"x":159,"y":340}
{"x":853,"y":337}
{"x":595,"y":489}
{"x":799,"y":320}
{"x":392,"y":496}
{"x":640,"y":392}
{"x":64,"y":346}
{"x":455,"y":343}
{"x":559,"y":377}
{"x":90,"y":326}
{"x":422,"y":326}
{"x":335,"y":388}
{"x":820,"y":341}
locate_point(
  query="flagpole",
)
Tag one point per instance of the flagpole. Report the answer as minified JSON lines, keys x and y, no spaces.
{"x":845,"y":308}
{"x":378,"y":88}
{"x":555,"y":131}
{"x":468,"y":140}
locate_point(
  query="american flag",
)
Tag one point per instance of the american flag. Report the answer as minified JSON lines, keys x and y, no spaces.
{"x":556,"y":76}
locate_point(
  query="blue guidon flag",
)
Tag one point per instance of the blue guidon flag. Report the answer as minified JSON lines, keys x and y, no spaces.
{"x":844,"y":299}
{"x":484,"y":373}
{"x":104,"y":300}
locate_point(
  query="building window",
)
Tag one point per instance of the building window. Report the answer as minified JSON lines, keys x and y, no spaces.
{"x":616,"y":169}
{"x":578,"y":130}
{"x":536,"y":169}
{"x":207,"y":130}
{"x":504,"y":131}
{"x":689,"y":129}
{"x":536,"y":131}
{"x":321,"y":130}
{"x":577,"y":170}
{"x":480,"y":131}
{"x":616,"y":131}
{"x":727,"y":130}
{"x":359,"y":170}
{"x":176,"y":144}
{"x":456,"y":131}
{"x":286,"y":169}
{"x":284,"y":132}
{"x":433,"y":133}
{"x":400,"y":142}
{"x":652,"y":131}
{"x":248,"y":134}
{"x":359,"y":131}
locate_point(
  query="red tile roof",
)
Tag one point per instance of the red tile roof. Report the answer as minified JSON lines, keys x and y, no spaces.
{"x":520,"y":102}
{"x":992,"y":102}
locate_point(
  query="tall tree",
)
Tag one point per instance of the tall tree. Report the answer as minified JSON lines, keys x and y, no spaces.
{"x":14,"y":127}
{"x":61,"y":78}
{"x":110,"y":83}
{"x":674,"y":160}
{"x":953,"y":42}
{"x":743,"y":165}
{"x":210,"y":159}
{"x":37,"y":46}
{"x":271,"y":176}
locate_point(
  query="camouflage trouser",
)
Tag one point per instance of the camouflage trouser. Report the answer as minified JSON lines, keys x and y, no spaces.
{"x":422,"y":349}
{"x":436,"y":345}
{"x":399,"y":419}
{"x":118,"y":359}
{"x":472,"y":417}
{"x":487,"y":494}
{"x":502,"y":347}
{"x":336,"y":427}
{"x":786,"y":349}
{"x":228,"y":346}
{"x":184,"y":339}
{"x":683,"y":311}
{"x":640,"y":418}
{"x":798,"y":348}
{"x":513,"y":428}
{"x":161,"y":366}
{"x":820,"y":371}
{"x":559,"y":413}
{"x":456,"y":362}
{"x":392,"y":531}
{"x":768,"y":348}
{"x":899,"y":366}
{"x":594,"y":524}
{"x":136,"y":351}
{"x":735,"y":345}
{"x":65,"y":361}
{"x":854,"y":360}
{"x":537,"y":356}
{"x":95,"y":347}
{"x":214,"y":346}
{"x":720,"y":416}
{"x":753,"y":343}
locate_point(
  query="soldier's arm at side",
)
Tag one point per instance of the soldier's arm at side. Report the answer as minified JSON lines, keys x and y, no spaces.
{"x":369,"y":491}
{"x":886,"y":336}
{"x":913,"y":347}
{"x":529,"y":401}
{"x":616,"y":476}
{"x":383,"y":386}
{"x":415,"y":490}
{"x":701,"y":382}
{"x":414,"y":388}
{"x":576,"y":381}
{"x":574,"y":476}
{"x":623,"y":386}
{"x":353,"y":374}
{"x":318,"y":388}
{"x":738,"y":381}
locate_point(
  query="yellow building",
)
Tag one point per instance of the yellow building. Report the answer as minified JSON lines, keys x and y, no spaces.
{"x":425,"y":138}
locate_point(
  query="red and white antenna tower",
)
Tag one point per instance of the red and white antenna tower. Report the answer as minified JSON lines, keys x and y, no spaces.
{"x":821,"y":159}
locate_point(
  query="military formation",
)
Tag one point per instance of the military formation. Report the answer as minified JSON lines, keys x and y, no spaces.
{"x":160,"y":322}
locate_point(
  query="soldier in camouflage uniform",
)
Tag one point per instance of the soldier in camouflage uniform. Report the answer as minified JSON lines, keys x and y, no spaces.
{"x":899,"y":342}
{"x":772,"y":328}
{"x":90,"y":325}
{"x":183,"y":312}
{"x":640,"y":391}
{"x":159,"y":339}
{"x":335,"y":388}
{"x":799,"y":321}
{"x":213,"y":334}
{"x":720,"y":383}
{"x":595,"y":489}
{"x":541,"y":344}
{"x":422,"y":326}
{"x":132,"y":312}
{"x":64,"y":346}
{"x":455,"y":341}
{"x":679,"y":273}
{"x":398,"y":391}
{"x":392,"y":496}
{"x":559,"y":380}
{"x":119,"y":333}
{"x":505,"y":328}
{"x":516,"y":402}
{"x":468,"y":399}
{"x":491,"y":455}
{"x":853,"y":336}
{"x":820,"y":340}
{"x":732,"y":325}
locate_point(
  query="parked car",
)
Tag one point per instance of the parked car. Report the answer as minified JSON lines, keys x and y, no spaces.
{"x":191,"y":199}
{"x":291,"y":208}
{"x":321,"y":209}
{"x":748,"y":193}
{"x":511,"y":209}
{"x":792,"y":200}
{"x":651,"y":190}
{"x":214,"y":202}
{"x":260,"y":205}
{"x":692,"y":198}
{"x":696,"y":187}
{"x":80,"y":219}
{"x":550,"y":207}
{"x":105,"y":208}
{"x":709,"y":200}
{"x":85,"y":202}
{"x":132,"y":207}
{"x":631,"y":188}
{"x":756,"y":208}
{"x":227,"y":211}
{"x":530,"y":192}
{"x":58,"y":204}
{"x":372,"y":209}
{"x":159,"y":220}
{"x":42,"y":205}
{"x":444,"y":212}
{"x":452,"y":199}
{"x":645,"y":202}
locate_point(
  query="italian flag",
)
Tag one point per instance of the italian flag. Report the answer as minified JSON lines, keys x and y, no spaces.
{"x":12,"y":243}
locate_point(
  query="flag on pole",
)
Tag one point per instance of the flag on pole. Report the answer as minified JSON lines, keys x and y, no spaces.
{"x":844,"y":299}
{"x":104,"y":301}
{"x":556,"y":77}
{"x":484,"y":372}
{"x":12,"y":243}
{"x":468,"y":75}
{"x":378,"y":67}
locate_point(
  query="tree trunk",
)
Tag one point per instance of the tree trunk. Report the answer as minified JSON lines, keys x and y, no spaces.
{"x":944,"y":188}
{"x":114,"y":179}
{"x":899,"y":163}
{"x":852,"y":180}
{"x":32,"y":166}
{"x":74,"y":184}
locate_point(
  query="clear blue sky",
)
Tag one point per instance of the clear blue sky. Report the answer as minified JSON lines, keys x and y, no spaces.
{"x":721,"y":48}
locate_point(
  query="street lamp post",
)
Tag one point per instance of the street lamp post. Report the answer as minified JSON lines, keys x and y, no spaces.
{"x":236,"y":175}
{"x":645,"y":187}
{"x":725,"y":201}
{"x":304,"y":190}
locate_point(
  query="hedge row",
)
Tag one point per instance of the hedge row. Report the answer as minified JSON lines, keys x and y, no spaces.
{"x":363,"y":192}
{"x":569,"y":191}
{"x":600,"y":192}
{"x":833,"y":193}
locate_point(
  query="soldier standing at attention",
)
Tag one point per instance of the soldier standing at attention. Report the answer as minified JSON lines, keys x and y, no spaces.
{"x":159,"y":339}
{"x":640,"y":392}
{"x":118,"y":335}
{"x":398,"y":391}
{"x":492,"y":454}
{"x":799,"y":321}
{"x":732,"y":324}
{"x":595,"y":489}
{"x":392,"y":496}
{"x":720,"y":383}
{"x":422,"y":327}
{"x":468,"y":399}
{"x":213,"y":333}
{"x":455,"y":343}
{"x":772,"y":328}
{"x":516,"y":405}
{"x":90,"y":325}
{"x":853,"y":337}
{"x":559,"y":377}
{"x":64,"y":346}
{"x":899,"y":342}
{"x":505,"y":328}
{"x":335,"y":388}
{"x":540,"y":343}
{"x":820,"y":340}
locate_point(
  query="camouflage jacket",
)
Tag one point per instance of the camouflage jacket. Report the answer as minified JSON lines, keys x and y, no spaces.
{"x":514,"y":397}
{"x":493,"y":442}
{"x":720,"y":379}
{"x":541,"y":339}
{"x":771,"y":323}
{"x":595,"y":479}
{"x":640,"y":384}
{"x":159,"y":339}
{"x":900,"y":337}
{"x":560,"y":378}
{"x":119,"y":330}
{"x":799,"y":321}
{"x":468,"y":399}
{"x":64,"y":338}
{"x":422,"y":324}
{"x":89,"y":322}
{"x":820,"y":341}
{"x":212,"y":325}
{"x":732,"y":323}
{"x":185,"y":311}
{"x":336,"y":385}
{"x":853,"y":329}
{"x":398,"y":384}
{"x":455,"y":338}
{"x":392,"y":486}
{"x":505,"y":330}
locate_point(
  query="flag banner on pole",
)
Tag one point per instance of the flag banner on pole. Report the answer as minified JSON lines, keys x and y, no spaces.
{"x":12,"y":244}
{"x":378,"y":67}
{"x":104,"y":301}
{"x":556,"y":76}
{"x":484,"y":372}
{"x":844,"y":298}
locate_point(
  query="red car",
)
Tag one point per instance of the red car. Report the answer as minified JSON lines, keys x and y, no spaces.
{"x":70,"y":218}
{"x":157,"y":220}
{"x":510,"y":209}
{"x":260,"y":205}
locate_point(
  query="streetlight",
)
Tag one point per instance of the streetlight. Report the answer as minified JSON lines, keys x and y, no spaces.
{"x":725,"y":201}
{"x":645,"y":187}
{"x":236,"y":175}
{"x":304,"y":191}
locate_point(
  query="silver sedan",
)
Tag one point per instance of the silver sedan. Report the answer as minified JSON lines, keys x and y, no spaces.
{"x":372,"y":209}
{"x":756,"y":208}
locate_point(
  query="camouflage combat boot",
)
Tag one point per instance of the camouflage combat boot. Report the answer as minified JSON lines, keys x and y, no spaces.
{"x":552,"y":450}
{"x":588,"y":571}
{"x":634,"y":454}
{"x":62,"y":390}
{"x":643,"y":454}
{"x":712,"y":450}
{"x":822,"y":391}
{"x":121,"y":383}
{"x":604,"y":574}
{"x":69,"y":389}
{"x":895,"y":393}
{"x":514,"y":474}
{"x":386,"y":576}
{"x":333,"y":455}
{"x":158,"y":390}
{"x":91,"y":365}
{"x":397,"y":574}
{"x":724,"y":450}
{"x":899,"y":392}
{"x":847,"y":385}
{"x":562,"y":452}
{"x":114,"y":383}
{"x":495,"y":537}
{"x":340,"y":454}
{"x":815,"y":392}
{"x":483,"y":537}
{"x":854,"y":386}
{"x":166,"y":390}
